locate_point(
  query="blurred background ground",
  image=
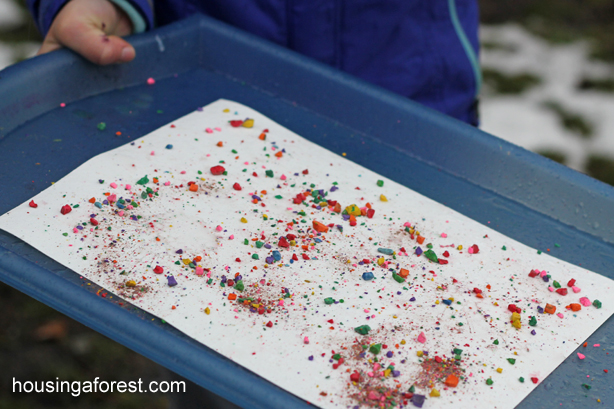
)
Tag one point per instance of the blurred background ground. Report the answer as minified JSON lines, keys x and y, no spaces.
{"x":548,"y":69}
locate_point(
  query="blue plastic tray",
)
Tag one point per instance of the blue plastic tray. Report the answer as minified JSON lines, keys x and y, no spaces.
{"x":200,"y":60}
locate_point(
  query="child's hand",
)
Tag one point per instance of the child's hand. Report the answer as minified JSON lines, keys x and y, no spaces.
{"x":91,"y":28}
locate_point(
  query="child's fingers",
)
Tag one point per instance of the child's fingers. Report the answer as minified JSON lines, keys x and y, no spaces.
{"x":94,"y":44}
{"x":91,"y":28}
{"x":48,"y":46}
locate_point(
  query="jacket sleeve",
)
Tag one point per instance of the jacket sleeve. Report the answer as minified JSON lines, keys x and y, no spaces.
{"x":139,"y":11}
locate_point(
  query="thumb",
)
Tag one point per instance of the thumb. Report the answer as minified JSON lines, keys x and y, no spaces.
{"x":94,"y":44}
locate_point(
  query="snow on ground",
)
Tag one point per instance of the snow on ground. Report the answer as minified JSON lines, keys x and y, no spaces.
{"x":523,"y":119}
{"x":11,"y":16}
{"x":12,"y":52}
{"x":6,"y":55}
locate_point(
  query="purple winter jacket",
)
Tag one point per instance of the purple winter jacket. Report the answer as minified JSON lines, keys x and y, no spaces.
{"x":425,"y":50}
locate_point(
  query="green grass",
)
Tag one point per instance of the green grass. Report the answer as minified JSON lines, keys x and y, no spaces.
{"x":495,"y":46}
{"x":572,"y":121}
{"x":601,"y":167}
{"x":509,"y":84}
{"x":559,"y":21}
{"x":554,"y":155}
{"x":24,"y":32}
{"x":592,"y":84}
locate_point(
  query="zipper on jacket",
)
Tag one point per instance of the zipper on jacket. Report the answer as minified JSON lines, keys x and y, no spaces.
{"x":469,"y":51}
{"x":289,"y":25}
{"x":337,"y":31}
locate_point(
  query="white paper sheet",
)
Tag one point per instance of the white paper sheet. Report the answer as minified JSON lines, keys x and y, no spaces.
{"x":179,"y":219}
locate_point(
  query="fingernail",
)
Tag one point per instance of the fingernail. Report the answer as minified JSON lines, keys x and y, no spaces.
{"x":127,"y":54}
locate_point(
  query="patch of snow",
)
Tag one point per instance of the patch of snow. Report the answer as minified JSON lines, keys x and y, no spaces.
{"x":11,"y":16}
{"x":10,"y":53}
{"x":531,"y":126}
{"x":522,"y":119}
{"x":6,"y":55}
